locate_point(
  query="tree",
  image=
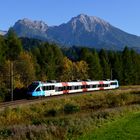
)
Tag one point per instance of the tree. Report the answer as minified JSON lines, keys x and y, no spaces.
{"x":135,"y":67}
{"x":104,"y":61}
{"x":92,"y":59}
{"x":14,"y":45}
{"x":127,"y":66}
{"x":95,"y":68}
{"x":3,"y":49}
{"x":117,"y":68}
{"x":81,"y":68}
{"x":67,"y":70}
{"x":13,"y":51}
{"x":24,"y":70}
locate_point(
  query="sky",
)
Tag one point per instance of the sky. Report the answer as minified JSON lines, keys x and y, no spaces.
{"x":123,"y":14}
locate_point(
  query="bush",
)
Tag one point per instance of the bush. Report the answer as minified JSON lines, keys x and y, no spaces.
{"x":51,"y":112}
{"x":5,"y":133}
{"x":70,"y":108}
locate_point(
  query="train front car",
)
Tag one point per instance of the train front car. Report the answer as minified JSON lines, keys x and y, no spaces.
{"x":114,"y":84}
{"x":35,"y":90}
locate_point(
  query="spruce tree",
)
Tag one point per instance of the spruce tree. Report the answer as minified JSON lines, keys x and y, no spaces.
{"x":104,"y":61}
{"x":127,"y":66}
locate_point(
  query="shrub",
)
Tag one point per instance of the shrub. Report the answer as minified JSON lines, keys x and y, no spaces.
{"x":36,"y":121}
{"x":51,"y":112}
{"x":70,"y":108}
{"x":5,"y":133}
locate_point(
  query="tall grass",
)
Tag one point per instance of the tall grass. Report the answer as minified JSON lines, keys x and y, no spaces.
{"x":65,"y":118}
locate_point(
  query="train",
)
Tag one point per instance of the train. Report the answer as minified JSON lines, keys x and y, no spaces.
{"x":51,"y":88}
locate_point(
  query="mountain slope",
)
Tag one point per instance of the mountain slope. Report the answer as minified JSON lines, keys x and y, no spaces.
{"x":83,"y":30}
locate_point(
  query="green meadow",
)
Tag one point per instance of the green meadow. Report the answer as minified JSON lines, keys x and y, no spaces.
{"x":125,"y":128}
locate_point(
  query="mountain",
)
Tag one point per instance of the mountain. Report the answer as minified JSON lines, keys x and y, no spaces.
{"x":83,"y":30}
{"x":2,"y":32}
{"x":31,"y":29}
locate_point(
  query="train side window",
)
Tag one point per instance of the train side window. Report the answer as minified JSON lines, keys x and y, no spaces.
{"x":56,"y":88}
{"x":106,"y":85}
{"x":52,"y":87}
{"x":83,"y":86}
{"x":94,"y":86}
{"x":60,"y":88}
{"x":79,"y":87}
{"x":87,"y":86}
{"x":65,"y":88}
{"x":101,"y":85}
{"x":69,"y":88}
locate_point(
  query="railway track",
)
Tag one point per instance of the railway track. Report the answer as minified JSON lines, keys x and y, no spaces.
{"x":25,"y":101}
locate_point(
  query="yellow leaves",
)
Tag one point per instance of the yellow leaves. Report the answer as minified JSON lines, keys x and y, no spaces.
{"x":81,"y":70}
{"x":25,"y":68}
{"x":74,"y":70}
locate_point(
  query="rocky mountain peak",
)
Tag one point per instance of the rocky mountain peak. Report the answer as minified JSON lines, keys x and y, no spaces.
{"x":90,"y":23}
{"x":39,"y":25}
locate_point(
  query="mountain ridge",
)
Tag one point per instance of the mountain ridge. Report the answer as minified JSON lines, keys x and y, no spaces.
{"x":82,"y":30}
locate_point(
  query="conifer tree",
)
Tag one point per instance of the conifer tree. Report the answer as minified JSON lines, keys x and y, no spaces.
{"x":14,"y":45}
{"x":3,"y":49}
{"x":127,"y":67}
{"x":104,"y":61}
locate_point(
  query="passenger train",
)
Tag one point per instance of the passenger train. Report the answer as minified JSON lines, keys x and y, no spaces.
{"x":50,"y":88}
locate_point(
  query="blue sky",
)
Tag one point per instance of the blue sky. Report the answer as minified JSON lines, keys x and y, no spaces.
{"x":124,"y":14}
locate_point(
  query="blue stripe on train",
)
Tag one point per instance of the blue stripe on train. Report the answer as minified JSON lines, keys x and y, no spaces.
{"x":38,"y":93}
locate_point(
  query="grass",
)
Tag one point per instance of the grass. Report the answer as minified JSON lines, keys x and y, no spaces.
{"x":67,"y":118}
{"x":126,"y":128}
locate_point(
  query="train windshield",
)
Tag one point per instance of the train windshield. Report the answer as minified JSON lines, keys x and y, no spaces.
{"x":32,"y":87}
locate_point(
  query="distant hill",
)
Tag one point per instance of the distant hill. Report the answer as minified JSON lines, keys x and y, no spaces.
{"x":83,"y":30}
{"x":2,"y":32}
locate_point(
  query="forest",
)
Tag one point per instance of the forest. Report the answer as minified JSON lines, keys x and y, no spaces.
{"x":25,"y":60}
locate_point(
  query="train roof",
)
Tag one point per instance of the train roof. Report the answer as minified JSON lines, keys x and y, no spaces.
{"x":48,"y":83}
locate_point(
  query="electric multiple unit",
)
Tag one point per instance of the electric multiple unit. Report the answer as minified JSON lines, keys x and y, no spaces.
{"x":39,"y":88}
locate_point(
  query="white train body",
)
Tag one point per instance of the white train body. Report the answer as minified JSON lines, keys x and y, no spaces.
{"x":39,"y":88}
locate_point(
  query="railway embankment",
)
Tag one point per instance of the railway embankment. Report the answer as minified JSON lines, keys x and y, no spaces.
{"x":67,"y":117}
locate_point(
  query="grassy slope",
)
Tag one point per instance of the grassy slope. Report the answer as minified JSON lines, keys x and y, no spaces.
{"x":69,"y":117}
{"x":126,"y":128}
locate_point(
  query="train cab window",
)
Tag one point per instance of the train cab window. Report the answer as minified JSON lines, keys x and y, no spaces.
{"x":32,"y":87}
{"x":38,"y":89}
{"x":114,"y":83}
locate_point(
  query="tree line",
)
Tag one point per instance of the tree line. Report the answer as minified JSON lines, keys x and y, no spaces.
{"x":44,"y":61}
